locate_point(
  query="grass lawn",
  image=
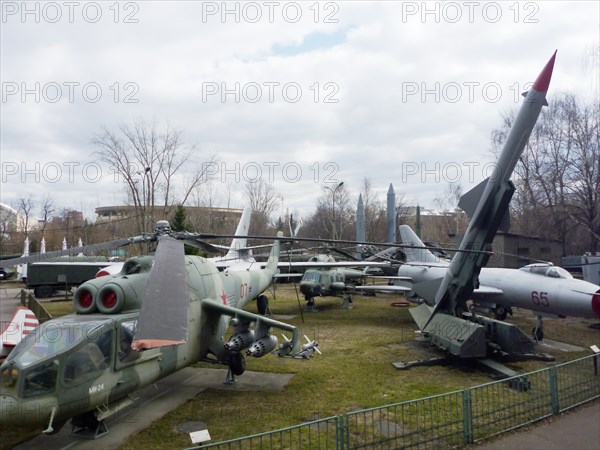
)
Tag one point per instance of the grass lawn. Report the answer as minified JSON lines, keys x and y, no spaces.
{"x":355,"y":371}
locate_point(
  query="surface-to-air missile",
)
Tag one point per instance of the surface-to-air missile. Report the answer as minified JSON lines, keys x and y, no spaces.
{"x":446,"y":320}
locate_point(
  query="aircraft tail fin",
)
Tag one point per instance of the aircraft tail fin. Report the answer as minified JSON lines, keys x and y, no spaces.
{"x":238,"y":245}
{"x":22,"y":323}
{"x":274,"y":256}
{"x":423,"y":255}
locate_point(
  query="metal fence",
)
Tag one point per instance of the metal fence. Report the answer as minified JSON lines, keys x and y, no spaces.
{"x":448,"y":420}
{"x":319,"y":434}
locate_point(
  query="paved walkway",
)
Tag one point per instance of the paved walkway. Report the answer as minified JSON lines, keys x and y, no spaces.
{"x":577,"y":429}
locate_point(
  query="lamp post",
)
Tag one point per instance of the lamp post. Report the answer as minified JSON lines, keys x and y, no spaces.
{"x":145,"y":201}
{"x":333,"y":192}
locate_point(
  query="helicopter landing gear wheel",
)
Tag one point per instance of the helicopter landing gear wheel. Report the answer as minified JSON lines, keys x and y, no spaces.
{"x":262,"y":304}
{"x":310,"y":305}
{"x":347,"y":302}
{"x":538,"y":331}
{"x":500,"y":312}
{"x":237,"y":366}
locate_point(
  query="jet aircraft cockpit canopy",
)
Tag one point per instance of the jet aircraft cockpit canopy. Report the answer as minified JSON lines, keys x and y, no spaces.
{"x":547,"y":270}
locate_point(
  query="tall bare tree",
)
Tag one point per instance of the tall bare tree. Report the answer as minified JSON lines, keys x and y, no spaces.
{"x":558,"y":175}
{"x":25,"y":209}
{"x":152,"y":162}
{"x":47,"y":209}
{"x":263,"y":199}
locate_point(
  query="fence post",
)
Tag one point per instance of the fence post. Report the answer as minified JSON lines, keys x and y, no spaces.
{"x":339,"y":438}
{"x":23,"y":297}
{"x":554,"y":389}
{"x":467,"y":403}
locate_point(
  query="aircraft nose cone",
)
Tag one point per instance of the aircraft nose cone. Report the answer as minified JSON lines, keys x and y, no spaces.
{"x":596,"y":303}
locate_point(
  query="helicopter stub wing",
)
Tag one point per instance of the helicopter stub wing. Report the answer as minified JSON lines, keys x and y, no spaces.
{"x":164,"y":315}
{"x":292,"y":346}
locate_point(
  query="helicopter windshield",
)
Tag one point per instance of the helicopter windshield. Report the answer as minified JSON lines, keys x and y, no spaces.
{"x":311,"y":276}
{"x":53,"y":337}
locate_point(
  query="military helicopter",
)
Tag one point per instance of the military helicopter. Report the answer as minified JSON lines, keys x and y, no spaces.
{"x":158,"y":315}
{"x":331,"y":283}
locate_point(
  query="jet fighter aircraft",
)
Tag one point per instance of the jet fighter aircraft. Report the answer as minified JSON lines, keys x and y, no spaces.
{"x":544,"y":289}
{"x":158,"y":315}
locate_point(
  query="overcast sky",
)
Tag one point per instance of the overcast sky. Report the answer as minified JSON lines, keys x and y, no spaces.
{"x":299,"y":94}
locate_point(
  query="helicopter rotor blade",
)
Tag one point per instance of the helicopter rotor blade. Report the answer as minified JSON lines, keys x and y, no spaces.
{"x":94,"y":248}
{"x":163,"y":318}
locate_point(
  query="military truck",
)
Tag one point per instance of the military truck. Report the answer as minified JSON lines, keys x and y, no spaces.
{"x":45,"y":278}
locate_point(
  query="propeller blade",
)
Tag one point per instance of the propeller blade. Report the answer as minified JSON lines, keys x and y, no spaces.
{"x":164,"y":315}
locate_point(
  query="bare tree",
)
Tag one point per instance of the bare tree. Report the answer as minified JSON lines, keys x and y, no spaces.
{"x":263,"y":199}
{"x":334,"y":217}
{"x":25,"y":208}
{"x":558,"y":175}
{"x":47,"y":209}
{"x":151,"y":162}
{"x":453,"y":219}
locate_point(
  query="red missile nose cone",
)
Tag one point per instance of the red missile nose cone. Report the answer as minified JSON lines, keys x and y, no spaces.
{"x":596,"y":303}
{"x":543,"y":80}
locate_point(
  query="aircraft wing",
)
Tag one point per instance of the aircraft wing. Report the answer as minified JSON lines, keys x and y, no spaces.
{"x":383,"y":277}
{"x":333,"y":264}
{"x":288,"y":275}
{"x":214,"y":306}
{"x":383,"y":288}
{"x":484,"y":292}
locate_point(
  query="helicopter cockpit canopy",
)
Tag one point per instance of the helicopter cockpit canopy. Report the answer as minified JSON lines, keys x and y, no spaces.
{"x":53,"y":337}
{"x":85,"y":346}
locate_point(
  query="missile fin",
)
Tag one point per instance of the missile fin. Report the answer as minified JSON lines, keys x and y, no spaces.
{"x":469,"y":201}
{"x":505,"y":224}
{"x":427,"y":290}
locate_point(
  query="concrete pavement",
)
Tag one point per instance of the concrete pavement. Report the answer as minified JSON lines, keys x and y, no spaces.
{"x":156,"y":400}
{"x":577,"y":429}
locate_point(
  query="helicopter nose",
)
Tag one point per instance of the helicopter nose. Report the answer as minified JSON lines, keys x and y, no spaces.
{"x":8,"y":410}
{"x":23,"y":413}
{"x":596,"y":303}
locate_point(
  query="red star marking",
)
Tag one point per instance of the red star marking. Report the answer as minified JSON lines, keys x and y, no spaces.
{"x":224,"y":297}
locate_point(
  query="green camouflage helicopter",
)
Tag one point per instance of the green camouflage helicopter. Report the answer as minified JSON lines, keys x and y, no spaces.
{"x":158,"y":315}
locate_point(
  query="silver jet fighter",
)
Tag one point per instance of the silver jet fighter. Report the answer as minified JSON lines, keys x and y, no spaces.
{"x":544,"y":289}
